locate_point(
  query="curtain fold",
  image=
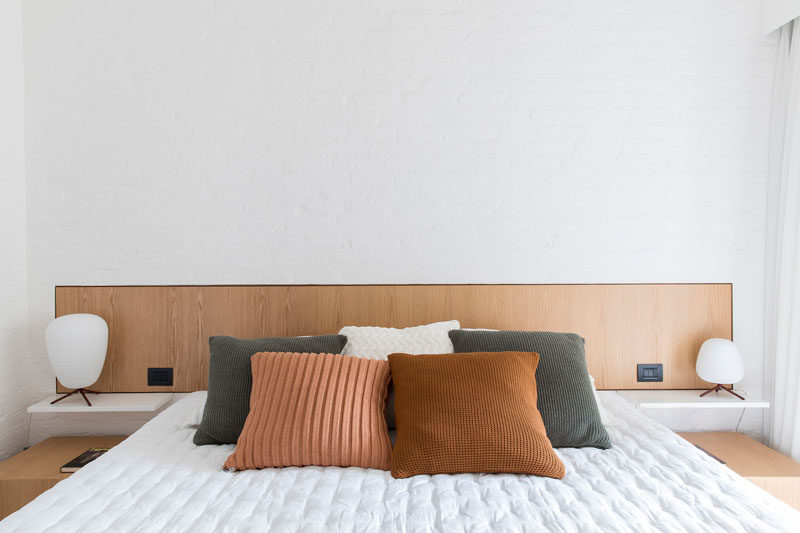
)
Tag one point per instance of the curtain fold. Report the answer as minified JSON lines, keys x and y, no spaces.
{"x":782,"y":305}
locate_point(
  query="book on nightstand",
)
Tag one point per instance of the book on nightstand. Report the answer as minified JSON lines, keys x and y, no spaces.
{"x":83,"y":459}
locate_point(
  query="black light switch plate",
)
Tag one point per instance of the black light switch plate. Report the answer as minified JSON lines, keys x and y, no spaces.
{"x":650,"y":372}
{"x":159,"y":377}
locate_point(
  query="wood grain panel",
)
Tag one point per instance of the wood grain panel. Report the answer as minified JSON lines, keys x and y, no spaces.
{"x":769,"y":469}
{"x":37,"y":469}
{"x":623,"y":324}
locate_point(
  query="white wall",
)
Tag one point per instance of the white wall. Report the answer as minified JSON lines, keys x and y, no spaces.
{"x":298,"y":142}
{"x":13,"y":264}
{"x":776,"y":13}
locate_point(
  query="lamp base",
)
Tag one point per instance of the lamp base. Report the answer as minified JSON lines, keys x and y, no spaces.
{"x":720,"y":387}
{"x":82,"y":391}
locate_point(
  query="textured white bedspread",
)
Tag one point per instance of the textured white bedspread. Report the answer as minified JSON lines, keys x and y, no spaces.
{"x":157,"y":480}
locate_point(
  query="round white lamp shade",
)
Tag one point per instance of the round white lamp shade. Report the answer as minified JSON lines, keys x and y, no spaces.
{"x":719,"y":361}
{"x":76,"y":345}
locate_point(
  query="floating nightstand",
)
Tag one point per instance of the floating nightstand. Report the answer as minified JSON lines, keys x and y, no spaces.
{"x":689,"y":399}
{"x":33,"y":471}
{"x":772,"y":471}
{"x":107,"y":402}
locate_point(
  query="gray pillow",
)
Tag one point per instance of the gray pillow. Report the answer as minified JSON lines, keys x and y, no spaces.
{"x":565,"y":396}
{"x":230,"y":380}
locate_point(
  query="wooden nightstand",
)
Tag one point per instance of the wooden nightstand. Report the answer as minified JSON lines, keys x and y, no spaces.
{"x":772,"y":471}
{"x":33,"y":471}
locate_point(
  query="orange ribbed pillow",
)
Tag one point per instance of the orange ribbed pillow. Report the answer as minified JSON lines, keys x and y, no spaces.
{"x":315,"y":409}
{"x":471,"y":412}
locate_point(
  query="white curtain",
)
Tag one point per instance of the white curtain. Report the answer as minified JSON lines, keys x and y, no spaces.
{"x":782,"y":325}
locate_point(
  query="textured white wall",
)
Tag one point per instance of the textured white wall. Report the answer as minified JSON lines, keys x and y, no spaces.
{"x":14,"y":367}
{"x":776,"y":13}
{"x":299,"y":142}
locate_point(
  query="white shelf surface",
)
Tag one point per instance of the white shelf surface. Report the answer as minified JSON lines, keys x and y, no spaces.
{"x":105,"y":402}
{"x":672,"y":399}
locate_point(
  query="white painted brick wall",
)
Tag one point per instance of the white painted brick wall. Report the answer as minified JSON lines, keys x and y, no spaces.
{"x":295,"y":142}
{"x":14,"y":363}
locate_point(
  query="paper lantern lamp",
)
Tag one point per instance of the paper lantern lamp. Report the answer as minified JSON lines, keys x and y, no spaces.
{"x":76,"y":345}
{"x":719,"y":361}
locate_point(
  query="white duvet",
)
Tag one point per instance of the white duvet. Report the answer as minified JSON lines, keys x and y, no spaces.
{"x":157,"y":480}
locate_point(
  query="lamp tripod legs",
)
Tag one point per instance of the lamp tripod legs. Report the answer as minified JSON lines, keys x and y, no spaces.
{"x":720,"y":387}
{"x":82,"y":392}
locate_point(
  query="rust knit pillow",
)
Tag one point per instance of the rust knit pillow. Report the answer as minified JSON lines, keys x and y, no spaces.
{"x":471,"y":412}
{"x":315,"y":409}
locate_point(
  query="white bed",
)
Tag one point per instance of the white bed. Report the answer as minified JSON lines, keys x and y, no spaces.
{"x":157,"y":480}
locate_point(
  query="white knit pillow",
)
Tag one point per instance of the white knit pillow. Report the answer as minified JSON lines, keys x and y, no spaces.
{"x":604,"y":418}
{"x":374,"y":342}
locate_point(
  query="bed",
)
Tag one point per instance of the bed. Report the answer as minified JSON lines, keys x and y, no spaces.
{"x":158,"y":480}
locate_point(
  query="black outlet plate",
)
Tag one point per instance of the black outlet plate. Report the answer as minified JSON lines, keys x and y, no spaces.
{"x":650,"y":372}
{"x":159,"y":377}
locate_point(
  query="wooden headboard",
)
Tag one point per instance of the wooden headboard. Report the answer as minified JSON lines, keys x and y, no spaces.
{"x":169,"y":326}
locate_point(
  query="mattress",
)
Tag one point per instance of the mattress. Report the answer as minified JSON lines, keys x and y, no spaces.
{"x":157,"y":480}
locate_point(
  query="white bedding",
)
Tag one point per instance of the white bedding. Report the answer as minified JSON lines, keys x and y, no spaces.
{"x":157,"y":480}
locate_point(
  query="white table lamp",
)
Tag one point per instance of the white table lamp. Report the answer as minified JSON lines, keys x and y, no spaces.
{"x":76,"y":345}
{"x":719,"y":361}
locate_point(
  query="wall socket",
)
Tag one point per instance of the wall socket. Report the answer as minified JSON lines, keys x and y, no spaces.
{"x":650,"y":372}
{"x":159,"y":377}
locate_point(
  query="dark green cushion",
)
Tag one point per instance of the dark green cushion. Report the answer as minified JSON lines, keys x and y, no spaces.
{"x":230,"y":379}
{"x":565,"y":396}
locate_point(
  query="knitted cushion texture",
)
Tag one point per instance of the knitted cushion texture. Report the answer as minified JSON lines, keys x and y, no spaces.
{"x":566,"y":399}
{"x":472,"y":412}
{"x":230,"y":379}
{"x":315,"y":409}
{"x":376,"y":342}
